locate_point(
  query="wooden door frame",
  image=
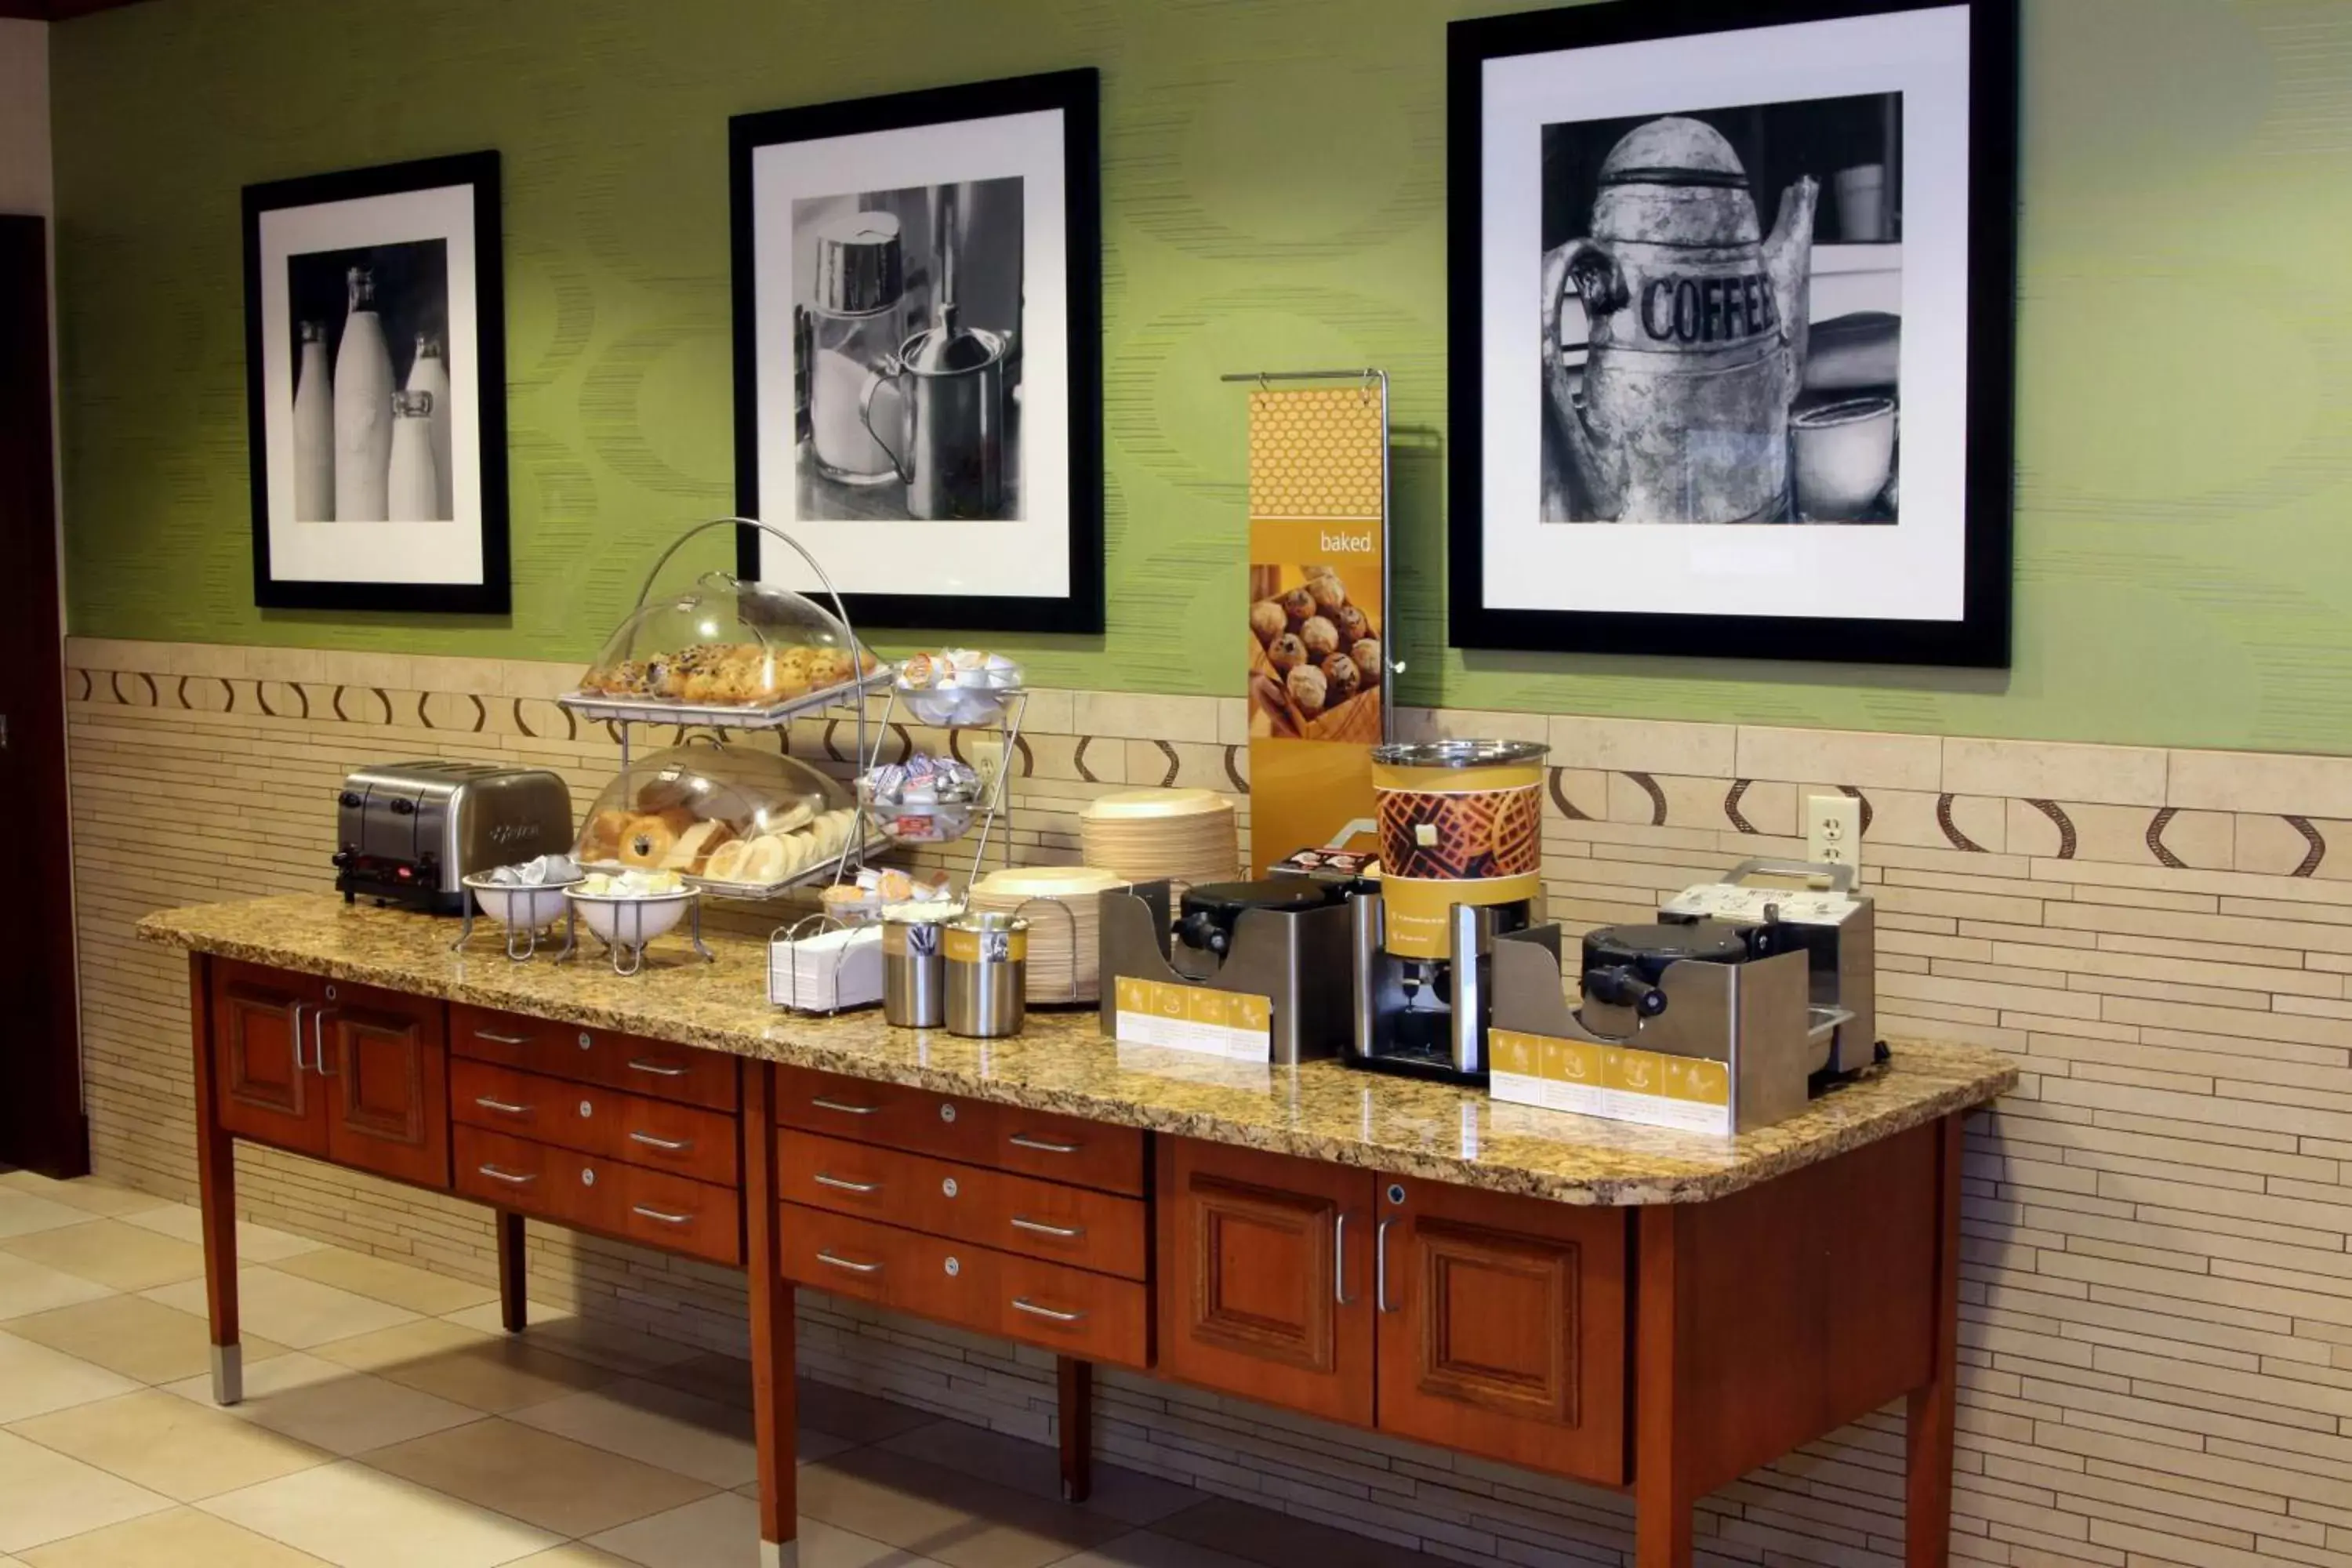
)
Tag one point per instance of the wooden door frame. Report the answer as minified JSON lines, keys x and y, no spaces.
{"x":42,"y":1123}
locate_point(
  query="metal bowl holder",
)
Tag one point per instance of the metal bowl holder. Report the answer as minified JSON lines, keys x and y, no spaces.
{"x":569,"y":919}
{"x":999,"y":799}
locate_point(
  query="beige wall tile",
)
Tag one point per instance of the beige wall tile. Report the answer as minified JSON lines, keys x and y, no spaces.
{"x":1898,"y":762}
{"x":2261,"y":782}
{"x":1138,"y":715}
{"x":1644,"y":746}
{"x":2119,"y":775}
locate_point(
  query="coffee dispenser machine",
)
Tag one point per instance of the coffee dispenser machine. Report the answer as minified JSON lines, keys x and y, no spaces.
{"x":1461,"y":833}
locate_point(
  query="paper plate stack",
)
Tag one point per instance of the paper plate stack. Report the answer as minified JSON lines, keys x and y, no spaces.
{"x":1064,"y":941}
{"x":1184,"y":835}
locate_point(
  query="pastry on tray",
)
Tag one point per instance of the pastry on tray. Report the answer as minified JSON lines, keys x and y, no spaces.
{"x":727,"y":643}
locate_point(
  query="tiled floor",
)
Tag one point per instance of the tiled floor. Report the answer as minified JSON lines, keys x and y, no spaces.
{"x":388,"y":1423}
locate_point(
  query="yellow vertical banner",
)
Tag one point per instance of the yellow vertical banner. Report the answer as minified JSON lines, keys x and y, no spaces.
{"x":1318,"y":612}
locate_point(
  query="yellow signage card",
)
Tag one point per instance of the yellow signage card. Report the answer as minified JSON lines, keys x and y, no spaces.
{"x":1228,"y":1024}
{"x":1618,"y":1083}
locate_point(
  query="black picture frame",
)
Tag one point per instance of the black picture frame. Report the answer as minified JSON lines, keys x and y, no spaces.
{"x":1980,"y":636}
{"x":479,"y":174}
{"x":1075,"y":96}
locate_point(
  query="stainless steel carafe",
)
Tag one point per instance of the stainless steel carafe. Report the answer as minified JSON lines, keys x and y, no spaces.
{"x":948,"y":446}
{"x":914,"y":974}
{"x":987,"y":974}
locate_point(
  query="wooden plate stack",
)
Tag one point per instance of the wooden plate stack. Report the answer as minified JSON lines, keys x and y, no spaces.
{"x":1061,"y":951}
{"x":1185,"y":834}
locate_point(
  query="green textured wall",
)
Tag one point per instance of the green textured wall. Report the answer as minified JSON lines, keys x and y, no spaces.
{"x":1274,"y":196}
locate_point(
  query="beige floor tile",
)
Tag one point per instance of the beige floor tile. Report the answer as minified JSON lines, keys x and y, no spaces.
{"x":332,"y":1408}
{"x":180,"y":1537}
{"x":22,"y":1214}
{"x":573,"y":1554}
{"x":1279,"y":1539}
{"x":860,"y":1417}
{"x":185,"y":1450}
{"x":255,"y":1243}
{"x":115,"y":1254}
{"x":1149,"y":1549}
{"x":933,"y":1512}
{"x":359,"y":1517}
{"x":35,"y":1380}
{"x":660,"y":1426}
{"x":297,"y":1312}
{"x":384,"y":1280}
{"x":1126,"y":1495}
{"x":725,"y":1379}
{"x":45,"y":1496}
{"x":138,"y":1338}
{"x":553,"y":1482}
{"x":496,"y":1372}
{"x":86,"y":1193}
{"x":26,"y":1286}
{"x":583,"y":1339}
{"x":723,"y":1531}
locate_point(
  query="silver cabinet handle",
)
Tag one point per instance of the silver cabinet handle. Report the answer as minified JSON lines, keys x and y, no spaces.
{"x":501,"y":1106}
{"x":1043,"y":1145}
{"x":298,"y":1063}
{"x":1381,"y":1265}
{"x":660,"y":1217}
{"x":319,"y":1039}
{"x":841,"y":1183}
{"x":1339,"y":1259}
{"x":503,"y":1039}
{"x":854,"y":1268}
{"x":1064,"y":1232}
{"x":1023,"y":1304}
{"x":509,"y":1177}
{"x":844,"y":1107}
{"x":667,"y":1145}
{"x":659,"y":1069}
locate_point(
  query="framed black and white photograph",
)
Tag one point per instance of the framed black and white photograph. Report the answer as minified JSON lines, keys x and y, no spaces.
{"x":375,"y":388}
{"x":1731,"y":325}
{"x":919,"y":352}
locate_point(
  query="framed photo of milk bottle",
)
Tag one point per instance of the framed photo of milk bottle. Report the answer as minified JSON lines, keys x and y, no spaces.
{"x":375,"y":388}
{"x":919,"y":352}
{"x":1731,"y":325}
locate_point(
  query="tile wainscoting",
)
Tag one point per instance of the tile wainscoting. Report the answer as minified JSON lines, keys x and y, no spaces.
{"x":2157,"y":1331}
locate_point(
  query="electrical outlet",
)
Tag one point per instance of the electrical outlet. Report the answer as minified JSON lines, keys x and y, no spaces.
{"x":1834,"y":830}
{"x":987,"y":760}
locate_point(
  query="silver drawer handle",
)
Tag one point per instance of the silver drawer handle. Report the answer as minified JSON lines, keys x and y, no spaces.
{"x":1043,"y":1145}
{"x":663,"y":1218}
{"x":509,"y":1177}
{"x":1023,"y":1304}
{"x":659,"y":1069}
{"x":667,"y":1145}
{"x":845,"y":1263}
{"x":501,"y":1106}
{"x":844,"y":1107}
{"x":840,"y":1184}
{"x":1063,"y":1232}
{"x":503,"y":1039}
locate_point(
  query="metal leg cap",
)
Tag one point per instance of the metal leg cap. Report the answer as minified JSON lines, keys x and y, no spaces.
{"x":780,"y":1555}
{"x":228,"y":1374}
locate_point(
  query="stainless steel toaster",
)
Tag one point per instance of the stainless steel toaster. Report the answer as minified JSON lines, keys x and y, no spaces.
{"x":407,"y":833}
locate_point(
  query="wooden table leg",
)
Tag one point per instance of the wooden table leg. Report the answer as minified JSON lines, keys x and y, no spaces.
{"x":1662,"y":1496}
{"x":1927,"y":1429}
{"x":216,"y":1196}
{"x":514,"y":1305}
{"x":1074,"y":1384}
{"x":773,"y":1396}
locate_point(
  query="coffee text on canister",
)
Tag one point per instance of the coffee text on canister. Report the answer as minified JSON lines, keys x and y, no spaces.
{"x":1709,"y":310}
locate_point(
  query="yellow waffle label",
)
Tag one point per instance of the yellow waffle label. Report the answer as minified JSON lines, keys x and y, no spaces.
{"x":1227,"y":1024}
{"x":1617,"y":1083}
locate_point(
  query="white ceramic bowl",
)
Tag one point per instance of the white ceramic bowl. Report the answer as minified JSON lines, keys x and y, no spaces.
{"x":631,"y":923}
{"x":520,"y":907}
{"x":957,"y":707}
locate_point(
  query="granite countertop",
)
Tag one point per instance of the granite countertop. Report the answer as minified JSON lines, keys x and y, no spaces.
{"x":1061,"y":1063}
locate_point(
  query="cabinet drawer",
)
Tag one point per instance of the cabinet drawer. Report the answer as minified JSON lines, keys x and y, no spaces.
{"x":1073,"y":1311}
{"x":592,"y":1119}
{"x":571,"y":1188}
{"x":973,"y":1131}
{"x":682,"y":1073}
{"x":1077,"y":1226}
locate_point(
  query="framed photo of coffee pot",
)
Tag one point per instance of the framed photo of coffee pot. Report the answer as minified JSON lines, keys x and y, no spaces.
{"x":1731,"y":329}
{"x":919,"y":352}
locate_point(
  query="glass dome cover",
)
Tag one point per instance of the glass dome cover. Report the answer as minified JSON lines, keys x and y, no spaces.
{"x":726,"y":643}
{"x":718,"y":815}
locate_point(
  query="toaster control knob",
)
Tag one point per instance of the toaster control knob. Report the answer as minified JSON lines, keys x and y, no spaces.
{"x":350,"y":800}
{"x":404,"y":807}
{"x":341,"y":860}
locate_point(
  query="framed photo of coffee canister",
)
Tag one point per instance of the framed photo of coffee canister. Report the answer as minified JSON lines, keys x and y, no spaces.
{"x":1731,"y":329}
{"x":375,"y":388}
{"x":918,"y":353}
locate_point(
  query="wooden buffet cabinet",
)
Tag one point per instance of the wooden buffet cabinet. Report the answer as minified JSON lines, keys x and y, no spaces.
{"x":1663,"y":1347}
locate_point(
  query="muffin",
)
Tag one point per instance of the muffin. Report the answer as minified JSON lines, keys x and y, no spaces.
{"x":1308,"y":689}
{"x":1268,"y":620}
{"x":1328,"y":592}
{"x":1354,"y":625}
{"x":1366,"y":656}
{"x":1285,"y":653}
{"x":1321,"y":637}
{"x":1340,"y":677}
{"x":1297,"y":605}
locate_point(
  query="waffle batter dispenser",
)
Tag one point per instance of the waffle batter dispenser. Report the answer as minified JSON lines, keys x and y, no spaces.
{"x":1461,"y":831}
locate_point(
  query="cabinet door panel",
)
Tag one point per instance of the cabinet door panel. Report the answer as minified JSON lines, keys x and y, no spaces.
{"x":1503,"y":1326}
{"x":1264,"y":1277}
{"x":388,"y":1103}
{"x":262,"y":1023}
